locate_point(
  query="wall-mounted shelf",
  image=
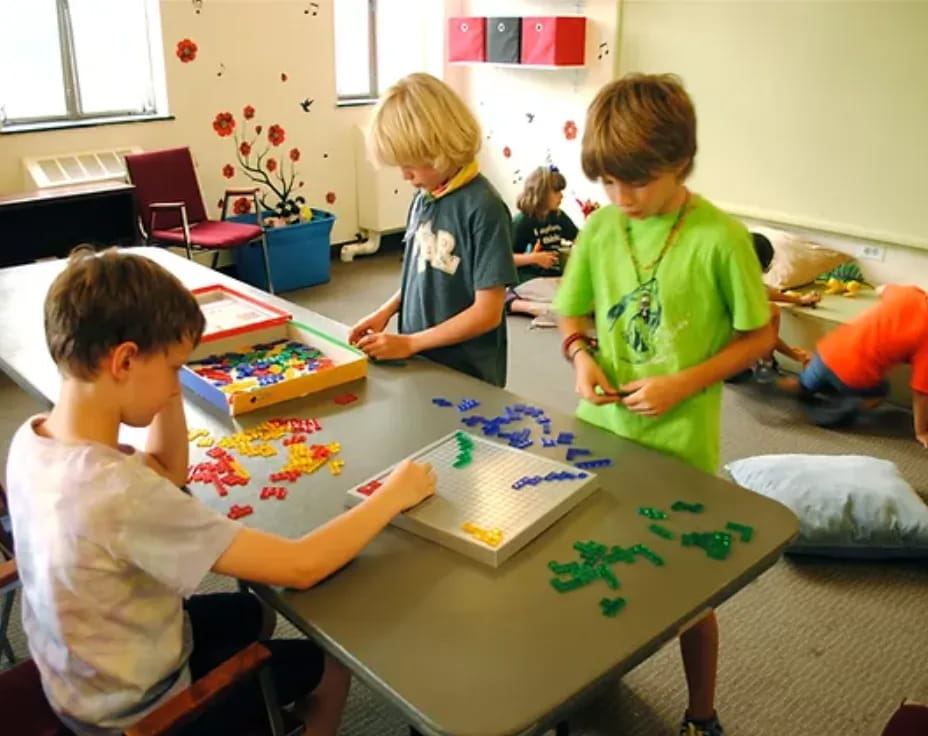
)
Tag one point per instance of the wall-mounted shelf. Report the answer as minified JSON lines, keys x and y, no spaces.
{"x":518,"y":66}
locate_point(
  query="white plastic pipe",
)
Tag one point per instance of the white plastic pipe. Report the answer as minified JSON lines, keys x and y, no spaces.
{"x":371,"y":245}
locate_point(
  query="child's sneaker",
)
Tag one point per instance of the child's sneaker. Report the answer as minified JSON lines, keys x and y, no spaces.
{"x":766,"y":371}
{"x":692,"y":727}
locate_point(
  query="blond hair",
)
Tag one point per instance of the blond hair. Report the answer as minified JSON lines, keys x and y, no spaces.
{"x":638,"y":127}
{"x":101,"y":300}
{"x":420,"y":121}
{"x":533,"y":202}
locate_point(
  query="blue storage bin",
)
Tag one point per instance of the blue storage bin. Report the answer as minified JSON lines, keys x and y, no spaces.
{"x":299,"y":254}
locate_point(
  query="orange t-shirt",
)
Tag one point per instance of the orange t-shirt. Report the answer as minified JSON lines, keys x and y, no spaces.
{"x":894,"y":331}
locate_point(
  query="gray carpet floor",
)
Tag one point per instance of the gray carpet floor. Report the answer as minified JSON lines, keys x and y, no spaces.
{"x":812,"y":648}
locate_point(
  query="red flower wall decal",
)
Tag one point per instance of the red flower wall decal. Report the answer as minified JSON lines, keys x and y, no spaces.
{"x":186,"y":50}
{"x":224,"y":124}
{"x":244,"y":148}
{"x":228,"y":171}
{"x":258,"y":129}
{"x":588,"y":207}
{"x":294,"y":154}
{"x":241,"y":206}
{"x":330,"y":197}
{"x":276,"y":135}
{"x":272,"y":165}
{"x":248,"y":112}
{"x":570,"y":130}
{"x":507,"y":152}
{"x":283,"y":77}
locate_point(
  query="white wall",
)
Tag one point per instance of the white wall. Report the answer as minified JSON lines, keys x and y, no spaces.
{"x":505,"y":98}
{"x":887,"y":182}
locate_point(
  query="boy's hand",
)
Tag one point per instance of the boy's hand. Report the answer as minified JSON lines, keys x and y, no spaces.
{"x":654,"y":395}
{"x":410,"y":484}
{"x":810,"y":299}
{"x":374,"y":322}
{"x":386,"y":345}
{"x":802,"y":356}
{"x":590,"y":377}
{"x":922,"y":438}
{"x":545,"y":258}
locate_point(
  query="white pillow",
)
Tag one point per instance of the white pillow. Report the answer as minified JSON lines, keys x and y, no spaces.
{"x":848,"y":505}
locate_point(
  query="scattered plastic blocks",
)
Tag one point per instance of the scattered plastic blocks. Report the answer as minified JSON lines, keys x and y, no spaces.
{"x":468,"y":404}
{"x":237,"y":512}
{"x":603,"y":462}
{"x":439,"y":401}
{"x":605,"y":572}
{"x":278,"y":492}
{"x":545,"y":442}
{"x":368,"y":488}
{"x":644,"y":551}
{"x":716,"y":544}
{"x":491,"y":537}
{"x":745,"y":531}
{"x":619,"y":554}
{"x":693,"y":508}
{"x":465,"y":450}
{"x":565,"y":438}
{"x":612,"y":606}
{"x":575,"y":452}
{"x":345,"y":399}
{"x":661,"y":531}
{"x":651,"y":512}
{"x":590,"y":551}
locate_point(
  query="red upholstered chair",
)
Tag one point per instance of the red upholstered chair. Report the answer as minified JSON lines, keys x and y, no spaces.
{"x":172,"y":212}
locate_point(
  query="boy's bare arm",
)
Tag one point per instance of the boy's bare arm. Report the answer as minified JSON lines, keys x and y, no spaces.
{"x":166,"y":448}
{"x":920,"y":416}
{"x":377,"y":320}
{"x":300,"y":563}
{"x":655,"y":395}
{"x":482,"y":316}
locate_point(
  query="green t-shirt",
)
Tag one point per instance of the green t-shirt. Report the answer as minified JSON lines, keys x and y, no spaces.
{"x":684,"y":311}
{"x":526,"y":231}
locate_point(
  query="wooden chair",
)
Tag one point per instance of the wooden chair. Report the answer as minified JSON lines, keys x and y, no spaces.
{"x":9,"y":579}
{"x":172,"y":212}
{"x":26,"y":712}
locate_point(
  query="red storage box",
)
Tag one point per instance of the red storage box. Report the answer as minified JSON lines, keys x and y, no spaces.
{"x":557,"y":41}
{"x":467,"y":39}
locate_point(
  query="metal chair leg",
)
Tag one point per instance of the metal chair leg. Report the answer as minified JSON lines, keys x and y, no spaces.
{"x":5,"y":646}
{"x":271,"y":704}
{"x":267,"y":263}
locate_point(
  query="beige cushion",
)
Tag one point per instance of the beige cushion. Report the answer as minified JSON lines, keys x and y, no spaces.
{"x":797,"y":262}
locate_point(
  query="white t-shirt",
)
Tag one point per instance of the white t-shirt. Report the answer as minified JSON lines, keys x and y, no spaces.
{"x":106,"y":549}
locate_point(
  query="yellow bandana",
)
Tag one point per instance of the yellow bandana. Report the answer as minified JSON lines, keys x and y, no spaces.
{"x":464,"y":176}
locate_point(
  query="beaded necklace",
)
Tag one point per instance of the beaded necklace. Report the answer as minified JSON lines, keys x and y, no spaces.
{"x":645,"y":306}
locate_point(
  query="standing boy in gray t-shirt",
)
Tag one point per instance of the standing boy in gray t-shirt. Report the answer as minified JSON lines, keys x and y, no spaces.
{"x":458,"y":237}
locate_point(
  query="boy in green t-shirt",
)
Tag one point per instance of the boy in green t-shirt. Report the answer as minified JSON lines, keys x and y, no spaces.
{"x":679,"y":304}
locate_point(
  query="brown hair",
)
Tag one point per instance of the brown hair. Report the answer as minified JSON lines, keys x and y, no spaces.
{"x":421,"y":121}
{"x":639,"y":126}
{"x":533,"y":202}
{"x":104,"y":299}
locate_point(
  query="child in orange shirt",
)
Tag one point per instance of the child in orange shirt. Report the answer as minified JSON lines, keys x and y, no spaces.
{"x":850,"y":366}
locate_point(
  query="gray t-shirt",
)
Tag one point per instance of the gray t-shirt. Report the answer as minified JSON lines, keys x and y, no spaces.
{"x":106,"y":549}
{"x":456,"y":245}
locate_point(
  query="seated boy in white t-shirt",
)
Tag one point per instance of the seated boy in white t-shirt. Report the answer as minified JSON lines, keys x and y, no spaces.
{"x":107,"y":544}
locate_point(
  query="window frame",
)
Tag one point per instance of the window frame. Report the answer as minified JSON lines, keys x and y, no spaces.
{"x":156,"y":107}
{"x":373,"y":92}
